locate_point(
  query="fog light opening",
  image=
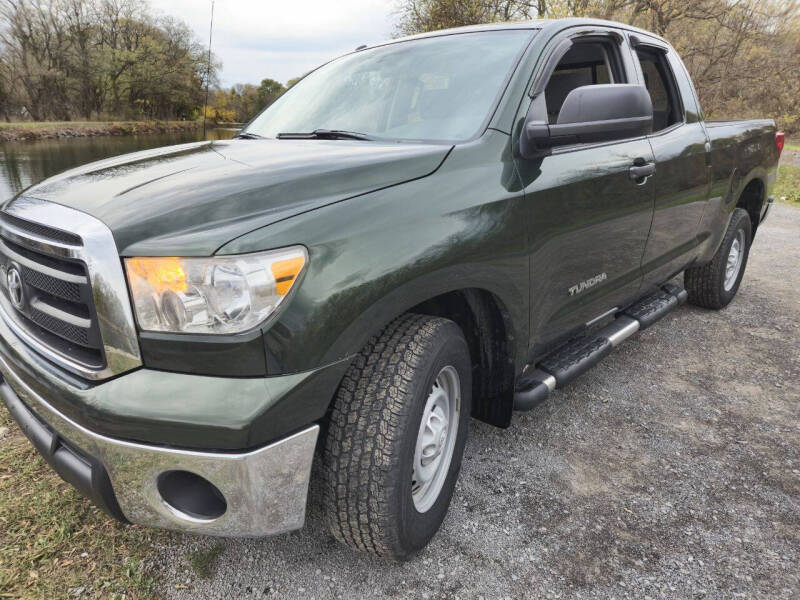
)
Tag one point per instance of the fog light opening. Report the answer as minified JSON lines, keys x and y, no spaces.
{"x":191,"y":496}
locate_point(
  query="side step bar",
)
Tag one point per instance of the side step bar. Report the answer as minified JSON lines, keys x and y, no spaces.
{"x":578,"y":356}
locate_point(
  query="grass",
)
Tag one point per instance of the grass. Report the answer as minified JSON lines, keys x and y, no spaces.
{"x":792,"y":144}
{"x":788,"y":184}
{"x":56,"y":544}
{"x":25,"y":130}
{"x":80,"y":124}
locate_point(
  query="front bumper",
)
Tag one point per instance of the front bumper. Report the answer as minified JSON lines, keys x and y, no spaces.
{"x":264,"y":489}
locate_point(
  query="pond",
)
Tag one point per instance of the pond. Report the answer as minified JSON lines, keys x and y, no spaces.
{"x":24,"y":163}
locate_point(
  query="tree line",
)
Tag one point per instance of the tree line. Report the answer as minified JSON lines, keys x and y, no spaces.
{"x":98,"y":59}
{"x":242,"y":101}
{"x":112,"y":59}
{"x":743,"y":55}
{"x":65,"y":59}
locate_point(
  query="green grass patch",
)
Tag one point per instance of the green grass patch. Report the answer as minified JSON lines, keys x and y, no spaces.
{"x":792,"y":144}
{"x":53,"y":542}
{"x":787,"y":186}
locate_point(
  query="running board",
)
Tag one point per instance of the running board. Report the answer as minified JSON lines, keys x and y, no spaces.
{"x":577,"y":357}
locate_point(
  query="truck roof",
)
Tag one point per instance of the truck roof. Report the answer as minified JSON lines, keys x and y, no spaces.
{"x":543,"y":24}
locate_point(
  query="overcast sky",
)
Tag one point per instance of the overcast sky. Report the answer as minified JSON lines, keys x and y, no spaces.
{"x":281,"y":39}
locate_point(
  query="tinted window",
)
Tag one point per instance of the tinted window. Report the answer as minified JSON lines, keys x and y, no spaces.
{"x":583,"y":64}
{"x":439,"y":88}
{"x":660,"y":83}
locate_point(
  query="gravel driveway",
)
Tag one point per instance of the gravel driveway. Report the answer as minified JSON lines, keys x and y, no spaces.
{"x":672,"y":469}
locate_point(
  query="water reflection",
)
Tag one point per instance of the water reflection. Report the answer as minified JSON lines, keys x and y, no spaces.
{"x":24,"y":163}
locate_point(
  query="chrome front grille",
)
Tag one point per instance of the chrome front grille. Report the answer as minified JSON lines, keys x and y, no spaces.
{"x":63,"y":288}
{"x":59,"y":288}
{"x":43,"y":230}
{"x":55,"y":299}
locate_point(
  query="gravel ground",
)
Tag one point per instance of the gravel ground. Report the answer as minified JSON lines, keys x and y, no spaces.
{"x":672,"y":469}
{"x":790,"y":157}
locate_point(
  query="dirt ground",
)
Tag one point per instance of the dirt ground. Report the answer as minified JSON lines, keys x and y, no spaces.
{"x":671,"y":470}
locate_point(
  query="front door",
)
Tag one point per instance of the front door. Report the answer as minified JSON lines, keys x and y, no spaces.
{"x":589,"y":220}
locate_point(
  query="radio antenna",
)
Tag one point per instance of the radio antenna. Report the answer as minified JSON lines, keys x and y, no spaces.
{"x":208,"y":68}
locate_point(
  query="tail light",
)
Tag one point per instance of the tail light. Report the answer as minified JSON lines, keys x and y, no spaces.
{"x":780,"y":138}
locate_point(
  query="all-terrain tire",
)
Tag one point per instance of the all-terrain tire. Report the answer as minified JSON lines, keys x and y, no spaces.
{"x":706,"y":283}
{"x":373,"y":425}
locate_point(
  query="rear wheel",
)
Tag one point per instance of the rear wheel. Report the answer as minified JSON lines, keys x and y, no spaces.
{"x":714,"y":285}
{"x":396,"y":435}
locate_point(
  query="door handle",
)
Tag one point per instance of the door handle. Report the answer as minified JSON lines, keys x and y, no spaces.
{"x":641,"y":171}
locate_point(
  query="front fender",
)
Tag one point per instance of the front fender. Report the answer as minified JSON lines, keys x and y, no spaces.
{"x":374,"y":257}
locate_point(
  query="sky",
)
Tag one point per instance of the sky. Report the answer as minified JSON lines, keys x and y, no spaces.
{"x":281,"y":39}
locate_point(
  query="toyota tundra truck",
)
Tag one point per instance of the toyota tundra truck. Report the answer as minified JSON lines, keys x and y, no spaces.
{"x":432,"y":229}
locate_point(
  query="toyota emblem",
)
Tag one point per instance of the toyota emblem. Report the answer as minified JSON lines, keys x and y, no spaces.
{"x":14,"y":280}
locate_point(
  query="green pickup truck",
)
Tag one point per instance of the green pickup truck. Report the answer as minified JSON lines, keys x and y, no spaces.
{"x":440,"y":227}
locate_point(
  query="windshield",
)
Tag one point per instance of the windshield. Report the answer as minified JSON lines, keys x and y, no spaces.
{"x":438,"y":88}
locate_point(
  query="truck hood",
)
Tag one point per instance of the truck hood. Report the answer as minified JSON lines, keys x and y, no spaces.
{"x":189,"y":200}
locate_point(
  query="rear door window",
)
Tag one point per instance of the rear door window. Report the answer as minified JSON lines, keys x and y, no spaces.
{"x":660,"y":82}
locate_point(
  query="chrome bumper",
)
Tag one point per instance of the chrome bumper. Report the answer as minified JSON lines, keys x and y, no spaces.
{"x":264,"y":490}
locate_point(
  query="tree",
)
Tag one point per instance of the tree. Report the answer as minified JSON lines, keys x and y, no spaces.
{"x":269,"y":91}
{"x":292,"y":81}
{"x":241,"y":101}
{"x":417,"y":16}
{"x":92,"y":58}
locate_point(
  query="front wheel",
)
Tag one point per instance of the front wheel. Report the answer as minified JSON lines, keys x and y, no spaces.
{"x":396,"y":436}
{"x":714,"y":285}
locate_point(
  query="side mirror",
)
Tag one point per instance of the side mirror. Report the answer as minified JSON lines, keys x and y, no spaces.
{"x":592,"y":113}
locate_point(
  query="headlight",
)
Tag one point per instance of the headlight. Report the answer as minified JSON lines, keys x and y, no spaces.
{"x":221,"y":294}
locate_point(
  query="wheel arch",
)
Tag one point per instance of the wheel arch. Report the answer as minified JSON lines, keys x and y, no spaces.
{"x":751,"y":199}
{"x":489,"y":331}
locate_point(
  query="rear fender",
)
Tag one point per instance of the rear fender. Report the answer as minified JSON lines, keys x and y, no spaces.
{"x":718,"y":213}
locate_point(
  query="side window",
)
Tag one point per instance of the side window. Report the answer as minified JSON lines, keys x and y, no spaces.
{"x":586,"y":63}
{"x":660,"y":82}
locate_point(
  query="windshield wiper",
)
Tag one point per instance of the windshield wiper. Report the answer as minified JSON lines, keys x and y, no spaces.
{"x":246,"y":135}
{"x":325,"y":134}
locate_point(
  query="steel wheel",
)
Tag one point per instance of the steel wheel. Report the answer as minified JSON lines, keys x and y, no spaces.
{"x":436,"y":439}
{"x":734,"y":263}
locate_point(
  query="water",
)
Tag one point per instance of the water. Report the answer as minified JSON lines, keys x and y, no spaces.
{"x":24,"y":163}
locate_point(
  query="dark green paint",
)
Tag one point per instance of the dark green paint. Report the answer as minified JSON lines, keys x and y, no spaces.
{"x":191,"y":199}
{"x":389,"y":226}
{"x":376,"y":256}
{"x":179,"y":409}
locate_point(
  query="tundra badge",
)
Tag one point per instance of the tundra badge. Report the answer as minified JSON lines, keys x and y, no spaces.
{"x":585,"y":285}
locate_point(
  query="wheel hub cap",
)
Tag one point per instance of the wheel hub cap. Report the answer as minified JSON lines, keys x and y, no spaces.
{"x":734,"y":262}
{"x":436,"y":439}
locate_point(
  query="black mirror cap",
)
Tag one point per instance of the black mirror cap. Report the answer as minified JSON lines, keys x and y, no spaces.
{"x":606,"y":102}
{"x":592,"y":113}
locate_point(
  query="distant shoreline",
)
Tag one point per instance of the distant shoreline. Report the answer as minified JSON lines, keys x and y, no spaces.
{"x":24,"y":131}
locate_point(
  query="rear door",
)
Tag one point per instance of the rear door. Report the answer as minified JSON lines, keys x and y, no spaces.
{"x":682,"y":155}
{"x":589,"y":220}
